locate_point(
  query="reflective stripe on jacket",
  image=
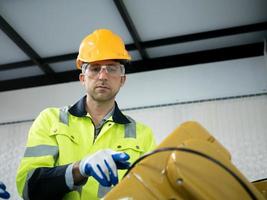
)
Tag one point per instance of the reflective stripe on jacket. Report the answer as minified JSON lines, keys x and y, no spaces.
{"x":57,"y":137}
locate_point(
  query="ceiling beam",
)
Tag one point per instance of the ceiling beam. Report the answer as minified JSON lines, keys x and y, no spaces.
{"x":130,"y":26}
{"x":16,"y":65}
{"x":206,"y":35}
{"x":40,"y":80}
{"x":152,"y":43}
{"x":25,"y":47}
{"x":201,"y":57}
{"x":28,"y":63}
{"x":228,"y":53}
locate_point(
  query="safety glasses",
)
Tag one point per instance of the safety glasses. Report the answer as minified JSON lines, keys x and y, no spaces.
{"x":112,"y":69}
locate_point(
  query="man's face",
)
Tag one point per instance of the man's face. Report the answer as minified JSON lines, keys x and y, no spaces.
{"x":101,"y":85}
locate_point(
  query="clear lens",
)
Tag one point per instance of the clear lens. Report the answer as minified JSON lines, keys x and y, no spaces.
{"x":115,"y":69}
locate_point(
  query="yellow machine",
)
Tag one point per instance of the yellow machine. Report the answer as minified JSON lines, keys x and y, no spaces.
{"x":188,"y":165}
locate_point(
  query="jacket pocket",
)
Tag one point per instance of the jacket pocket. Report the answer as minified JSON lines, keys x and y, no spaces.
{"x":68,"y":144}
{"x":62,"y":131}
{"x":130,"y":146}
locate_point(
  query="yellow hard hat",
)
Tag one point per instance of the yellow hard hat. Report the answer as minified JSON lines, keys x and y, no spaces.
{"x":102,"y":44}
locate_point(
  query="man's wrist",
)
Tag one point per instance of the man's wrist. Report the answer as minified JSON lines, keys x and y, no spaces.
{"x":77,"y":176}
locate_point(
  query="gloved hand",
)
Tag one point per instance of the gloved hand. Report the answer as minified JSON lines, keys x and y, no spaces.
{"x":103,"y":166}
{"x":3,"y":193}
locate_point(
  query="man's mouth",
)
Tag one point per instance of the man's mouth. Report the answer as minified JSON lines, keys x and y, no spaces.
{"x":102,"y":87}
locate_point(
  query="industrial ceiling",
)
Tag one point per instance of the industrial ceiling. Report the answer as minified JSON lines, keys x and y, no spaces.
{"x":39,"y":40}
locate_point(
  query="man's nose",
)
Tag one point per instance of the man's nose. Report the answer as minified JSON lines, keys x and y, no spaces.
{"x":103,"y":73}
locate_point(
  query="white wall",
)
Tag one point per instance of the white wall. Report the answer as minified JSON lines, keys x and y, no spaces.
{"x":204,"y":81}
{"x":221,"y":79}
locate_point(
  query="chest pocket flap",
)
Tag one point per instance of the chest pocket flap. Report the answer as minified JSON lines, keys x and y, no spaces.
{"x":62,"y":130}
{"x":130,"y":146}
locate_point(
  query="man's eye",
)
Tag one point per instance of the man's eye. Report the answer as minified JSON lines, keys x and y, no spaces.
{"x":95,"y":68}
{"x":112,"y":68}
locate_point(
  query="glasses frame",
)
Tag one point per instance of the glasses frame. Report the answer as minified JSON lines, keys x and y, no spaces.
{"x":85,"y":67}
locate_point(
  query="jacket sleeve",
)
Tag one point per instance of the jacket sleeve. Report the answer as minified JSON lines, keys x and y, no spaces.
{"x":38,"y":177}
{"x":48,"y":183}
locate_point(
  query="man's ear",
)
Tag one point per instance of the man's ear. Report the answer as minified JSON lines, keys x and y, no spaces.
{"x":81,"y":78}
{"x":123,"y":79}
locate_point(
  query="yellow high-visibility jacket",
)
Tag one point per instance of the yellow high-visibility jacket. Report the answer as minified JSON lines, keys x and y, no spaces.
{"x":59,"y":137}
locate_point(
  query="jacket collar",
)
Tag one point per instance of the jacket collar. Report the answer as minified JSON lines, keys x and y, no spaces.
{"x":78,"y":110}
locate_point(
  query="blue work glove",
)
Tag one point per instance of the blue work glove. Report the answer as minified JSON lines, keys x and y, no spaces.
{"x":103,"y":166}
{"x":3,"y":193}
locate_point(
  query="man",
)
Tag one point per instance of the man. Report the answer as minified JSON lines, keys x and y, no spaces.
{"x":79,"y":152}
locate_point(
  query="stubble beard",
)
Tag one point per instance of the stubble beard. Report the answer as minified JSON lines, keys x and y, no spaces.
{"x":103,"y":97}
